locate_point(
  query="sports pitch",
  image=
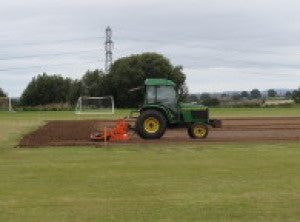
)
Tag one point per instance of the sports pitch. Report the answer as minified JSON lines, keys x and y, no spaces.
{"x":157,"y":182}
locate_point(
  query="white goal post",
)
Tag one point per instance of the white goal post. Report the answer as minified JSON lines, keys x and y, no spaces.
{"x":5,"y":104}
{"x":95,"y":105}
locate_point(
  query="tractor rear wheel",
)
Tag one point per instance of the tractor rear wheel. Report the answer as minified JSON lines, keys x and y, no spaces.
{"x":151,"y":124}
{"x":198,"y":131}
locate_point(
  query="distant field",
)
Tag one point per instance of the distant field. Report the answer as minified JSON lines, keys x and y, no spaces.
{"x":215,"y":182}
{"x":256,"y":112}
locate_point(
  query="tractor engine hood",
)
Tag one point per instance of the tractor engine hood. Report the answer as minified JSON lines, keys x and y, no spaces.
{"x":187,"y":106}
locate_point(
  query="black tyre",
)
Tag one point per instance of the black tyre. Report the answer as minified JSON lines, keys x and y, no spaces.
{"x":151,"y":124}
{"x":198,"y":131}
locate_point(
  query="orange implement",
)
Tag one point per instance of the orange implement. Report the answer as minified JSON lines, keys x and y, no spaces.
{"x":119,"y":132}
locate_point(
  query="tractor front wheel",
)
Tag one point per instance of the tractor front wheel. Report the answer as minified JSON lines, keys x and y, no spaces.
{"x":198,"y":131}
{"x":151,"y":124}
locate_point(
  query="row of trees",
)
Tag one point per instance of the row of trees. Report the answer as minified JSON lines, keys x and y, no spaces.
{"x":205,"y":99}
{"x":253,"y":94}
{"x":256,"y":94}
{"x":210,"y":100}
{"x":125,"y":73}
{"x":45,"y":89}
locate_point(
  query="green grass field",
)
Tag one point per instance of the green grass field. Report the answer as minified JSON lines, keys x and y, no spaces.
{"x":216,"y":182}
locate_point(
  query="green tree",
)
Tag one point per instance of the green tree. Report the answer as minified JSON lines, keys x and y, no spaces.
{"x":224,"y":95}
{"x":288,"y":95}
{"x":192,"y":98}
{"x":207,"y":100}
{"x":205,"y":96}
{"x":130,"y":72}
{"x":296,"y":96}
{"x":244,"y":94}
{"x":183,"y":92}
{"x":255,"y":94}
{"x":76,"y":90}
{"x":236,"y":97}
{"x":46,"y":89}
{"x":93,"y":83}
{"x":272,"y":93}
{"x":211,"y":102}
{"x":2,"y":93}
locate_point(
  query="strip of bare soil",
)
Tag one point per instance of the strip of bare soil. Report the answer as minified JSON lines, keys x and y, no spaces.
{"x":77,"y":132}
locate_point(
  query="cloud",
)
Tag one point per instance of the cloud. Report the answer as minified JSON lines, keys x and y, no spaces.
{"x":211,"y":39}
{"x":228,"y":79}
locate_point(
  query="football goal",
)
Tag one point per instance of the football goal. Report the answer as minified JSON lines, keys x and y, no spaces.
{"x":6,"y":104}
{"x":95,"y":105}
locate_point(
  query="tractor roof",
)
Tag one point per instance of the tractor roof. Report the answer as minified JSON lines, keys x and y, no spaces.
{"x":159,"y":82}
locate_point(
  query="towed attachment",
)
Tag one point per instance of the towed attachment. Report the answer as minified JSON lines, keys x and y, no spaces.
{"x":118,"y":133}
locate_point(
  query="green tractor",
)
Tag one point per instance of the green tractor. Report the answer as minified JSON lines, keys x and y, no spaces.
{"x":162,"y":110}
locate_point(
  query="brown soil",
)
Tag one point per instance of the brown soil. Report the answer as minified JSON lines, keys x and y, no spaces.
{"x":77,"y":133}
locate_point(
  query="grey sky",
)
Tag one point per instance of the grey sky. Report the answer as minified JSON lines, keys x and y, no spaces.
{"x":222,"y":45}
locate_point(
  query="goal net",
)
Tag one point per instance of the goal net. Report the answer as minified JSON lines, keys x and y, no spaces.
{"x":95,"y":105}
{"x":6,"y":104}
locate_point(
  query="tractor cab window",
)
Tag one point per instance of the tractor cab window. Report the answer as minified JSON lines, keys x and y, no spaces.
{"x":151,"y":94}
{"x":166,"y":95}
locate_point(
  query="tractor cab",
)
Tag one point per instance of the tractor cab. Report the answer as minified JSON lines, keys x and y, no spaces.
{"x":161,"y":92}
{"x":161,"y":109}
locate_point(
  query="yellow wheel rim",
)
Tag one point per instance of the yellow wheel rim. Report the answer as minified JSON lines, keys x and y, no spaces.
{"x":151,"y":125}
{"x":199,"y":131}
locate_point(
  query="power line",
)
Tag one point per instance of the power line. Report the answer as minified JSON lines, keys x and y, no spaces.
{"x":158,"y":41}
{"x":46,"y":55}
{"x":109,"y":45}
{"x":218,"y":48}
{"x":42,"y":66}
{"x":51,"y":42}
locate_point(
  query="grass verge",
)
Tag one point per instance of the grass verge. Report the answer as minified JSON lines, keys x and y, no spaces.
{"x":211,"y":182}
